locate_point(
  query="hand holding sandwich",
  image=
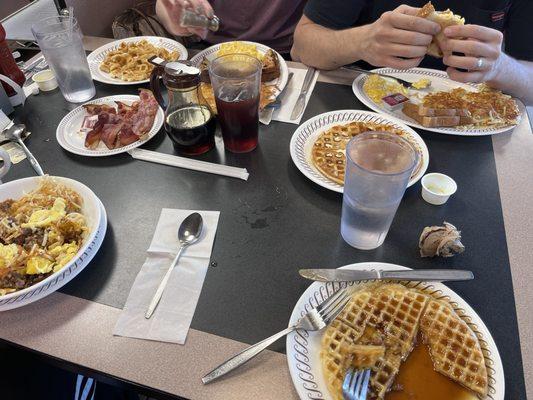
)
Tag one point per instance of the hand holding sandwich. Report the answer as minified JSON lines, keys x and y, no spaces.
{"x":480,"y":48}
{"x":398,"y":39}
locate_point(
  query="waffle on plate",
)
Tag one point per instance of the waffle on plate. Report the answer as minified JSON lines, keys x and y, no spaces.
{"x":380,"y":325}
{"x":329,"y":150}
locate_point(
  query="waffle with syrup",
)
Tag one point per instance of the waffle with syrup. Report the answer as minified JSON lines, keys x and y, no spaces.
{"x":381,"y":323}
{"x":453,"y":347}
{"x":378,"y":315}
{"x":329,"y":150}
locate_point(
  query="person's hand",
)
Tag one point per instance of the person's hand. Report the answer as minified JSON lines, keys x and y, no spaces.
{"x":398,"y":39}
{"x":174,"y":9}
{"x":482,"y":48}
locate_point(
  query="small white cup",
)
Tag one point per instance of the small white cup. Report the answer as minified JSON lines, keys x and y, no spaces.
{"x":46,"y":80}
{"x":437,"y":188}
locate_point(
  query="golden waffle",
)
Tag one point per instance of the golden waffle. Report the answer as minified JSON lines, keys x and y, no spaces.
{"x":379,"y":315}
{"x":365,"y":356}
{"x":453,"y":347}
{"x":329,"y":150}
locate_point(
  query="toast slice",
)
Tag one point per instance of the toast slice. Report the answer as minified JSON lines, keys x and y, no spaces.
{"x":444,"y":19}
{"x":423,"y":110}
{"x":271,"y":69}
{"x":437,"y":121}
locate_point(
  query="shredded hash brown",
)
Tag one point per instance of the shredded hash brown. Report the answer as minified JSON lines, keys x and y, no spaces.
{"x":487,"y":107}
{"x":39,"y":234}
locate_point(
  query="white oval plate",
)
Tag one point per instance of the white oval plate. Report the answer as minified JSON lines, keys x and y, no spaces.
{"x":69,"y":137}
{"x":96,"y":216}
{"x":439,"y":82}
{"x":97,"y":56}
{"x":306,"y":134}
{"x":303,"y":347}
{"x":211,"y":51}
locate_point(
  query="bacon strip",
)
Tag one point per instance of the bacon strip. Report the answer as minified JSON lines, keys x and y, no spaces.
{"x":121,"y":126}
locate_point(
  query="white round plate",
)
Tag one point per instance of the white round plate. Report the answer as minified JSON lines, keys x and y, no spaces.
{"x":439,"y":82}
{"x":97,"y":56}
{"x":96,"y":216}
{"x":69,"y":137}
{"x":210,"y":53}
{"x":305,"y":136}
{"x":303,"y":347}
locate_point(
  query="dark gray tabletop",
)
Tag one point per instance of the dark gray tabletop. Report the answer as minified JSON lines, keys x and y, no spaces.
{"x":279,"y":221}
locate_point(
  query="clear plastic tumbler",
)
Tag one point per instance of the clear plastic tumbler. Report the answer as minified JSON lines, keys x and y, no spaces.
{"x":236,"y":80}
{"x":378,"y":168}
{"x":62,"y":47}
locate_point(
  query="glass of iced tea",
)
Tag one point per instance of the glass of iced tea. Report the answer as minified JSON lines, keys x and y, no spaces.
{"x":236,"y":80}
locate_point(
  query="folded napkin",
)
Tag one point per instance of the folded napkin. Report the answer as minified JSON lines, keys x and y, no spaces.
{"x":294,"y":88}
{"x":172,"y":317}
{"x":183,"y":162}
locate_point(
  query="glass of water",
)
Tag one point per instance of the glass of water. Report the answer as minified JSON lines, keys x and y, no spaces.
{"x":378,"y":168}
{"x":60,"y":42}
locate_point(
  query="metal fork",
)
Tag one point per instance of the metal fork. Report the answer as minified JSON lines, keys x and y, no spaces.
{"x":315,"y":320}
{"x":355,"y":385}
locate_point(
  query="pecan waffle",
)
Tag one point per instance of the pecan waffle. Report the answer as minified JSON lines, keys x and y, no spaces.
{"x":329,"y":150}
{"x":379,"y":315}
{"x":377,"y":330}
{"x":453,"y":347}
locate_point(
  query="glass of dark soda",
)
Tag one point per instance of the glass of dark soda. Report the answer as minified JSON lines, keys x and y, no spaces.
{"x":236,"y":80}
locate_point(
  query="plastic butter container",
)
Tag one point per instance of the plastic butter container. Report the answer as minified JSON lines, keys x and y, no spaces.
{"x":46,"y":80}
{"x":437,"y":188}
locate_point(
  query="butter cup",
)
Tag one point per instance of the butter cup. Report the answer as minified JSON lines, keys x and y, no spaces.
{"x":437,"y":188}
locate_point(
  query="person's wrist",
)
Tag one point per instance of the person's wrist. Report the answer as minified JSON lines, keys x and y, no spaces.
{"x":359,"y":46}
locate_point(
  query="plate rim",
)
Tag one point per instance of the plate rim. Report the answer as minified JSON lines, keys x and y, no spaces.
{"x":333,"y":186}
{"x":307,"y":295}
{"x":84,"y":250}
{"x":61,"y":128}
{"x":429,"y":72}
{"x":284,"y":69}
{"x":183,"y":55}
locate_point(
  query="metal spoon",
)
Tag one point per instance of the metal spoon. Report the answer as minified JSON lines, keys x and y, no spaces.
{"x":15,"y":133}
{"x":188,"y":233}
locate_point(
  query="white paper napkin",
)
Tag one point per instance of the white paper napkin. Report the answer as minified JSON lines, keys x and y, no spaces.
{"x":172,"y":317}
{"x":290,"y":96}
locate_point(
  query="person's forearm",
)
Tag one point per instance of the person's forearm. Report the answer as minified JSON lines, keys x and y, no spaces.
{"x":312,"y":42}
{"x":515,"y":78}
{"x":163,"y":16}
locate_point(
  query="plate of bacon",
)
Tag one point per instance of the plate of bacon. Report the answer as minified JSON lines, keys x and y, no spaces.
{"x":111,"y":125}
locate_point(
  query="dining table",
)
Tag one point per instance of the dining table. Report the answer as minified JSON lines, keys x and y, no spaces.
{"x":270,"y":226}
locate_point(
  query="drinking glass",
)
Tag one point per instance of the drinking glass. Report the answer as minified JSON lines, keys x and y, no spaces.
{"x":236,"y":80}
{"x":378,"y":168}
{"x":60,"y":42}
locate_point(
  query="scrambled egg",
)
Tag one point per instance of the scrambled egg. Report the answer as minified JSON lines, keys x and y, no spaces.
{"x":42,"y":218}
{"x":63,"y":254}
{"x":239,"y":48}
{"x":7,"y":254}
{"x":377,"y":87}
{"x":38,"y":265}
{"x":422,"y":83}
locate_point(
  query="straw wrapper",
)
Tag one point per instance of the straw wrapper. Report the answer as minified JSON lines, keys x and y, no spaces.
{"x":182,"y":162}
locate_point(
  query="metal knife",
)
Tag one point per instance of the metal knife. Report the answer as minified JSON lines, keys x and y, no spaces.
{"x":265,"y":116}
{"x":423,"y":275}
{"x":300,"y":103}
